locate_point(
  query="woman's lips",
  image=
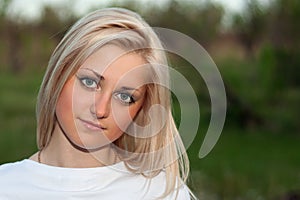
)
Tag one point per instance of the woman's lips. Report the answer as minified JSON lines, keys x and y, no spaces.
{"x":91,"y":125}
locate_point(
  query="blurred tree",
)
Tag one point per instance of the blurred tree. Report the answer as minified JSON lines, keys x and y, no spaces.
{"x":202,"y":23}
{"x":272,"y":33}
{"x":4,"y":4}
{"x":276,"y":29}
{"x":280,"y":57}
{"x":250,"y":26}
{"x":11,"y":33}
{"x":56,"y":21}
{"x":14,"y":49}
{"x":283,"y":35}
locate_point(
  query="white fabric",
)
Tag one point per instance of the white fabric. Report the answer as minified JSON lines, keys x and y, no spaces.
{"x":30,"y":180}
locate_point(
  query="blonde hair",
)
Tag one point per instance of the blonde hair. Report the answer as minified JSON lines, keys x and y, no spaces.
{"x":126,"y":29}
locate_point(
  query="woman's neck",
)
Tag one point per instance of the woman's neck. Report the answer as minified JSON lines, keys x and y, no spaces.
{"x":61,"y":152}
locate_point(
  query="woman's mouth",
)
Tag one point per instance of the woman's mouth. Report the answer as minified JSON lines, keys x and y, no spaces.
{"x":91,"y":125}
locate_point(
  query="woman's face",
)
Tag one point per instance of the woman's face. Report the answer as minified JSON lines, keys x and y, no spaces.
{"x":98,"y":103}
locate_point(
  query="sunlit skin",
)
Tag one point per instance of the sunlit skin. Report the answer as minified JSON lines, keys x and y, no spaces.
{"x":95,"y":106}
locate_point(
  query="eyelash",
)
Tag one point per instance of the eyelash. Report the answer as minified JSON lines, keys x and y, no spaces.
{"x":83,"y":82}
{"x":131,"y":101}
{"x":116,"y":95}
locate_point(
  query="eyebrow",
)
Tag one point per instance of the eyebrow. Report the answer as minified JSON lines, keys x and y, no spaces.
{"x":129,"y":88}
{"x":96,"y":73}
{"x":102,"y":78}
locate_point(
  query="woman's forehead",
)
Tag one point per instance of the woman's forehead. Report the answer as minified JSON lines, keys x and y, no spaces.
{"x":115,"y":64}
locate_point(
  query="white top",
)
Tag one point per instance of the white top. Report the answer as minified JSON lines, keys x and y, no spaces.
{"x":31,"y":180}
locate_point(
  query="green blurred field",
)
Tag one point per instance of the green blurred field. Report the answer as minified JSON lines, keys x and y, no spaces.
{"x":248,"y":165}
{"x":17,"y":115}
{"x":243,"y":164}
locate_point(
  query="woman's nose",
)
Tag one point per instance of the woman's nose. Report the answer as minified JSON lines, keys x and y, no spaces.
{"x":101,"y":105}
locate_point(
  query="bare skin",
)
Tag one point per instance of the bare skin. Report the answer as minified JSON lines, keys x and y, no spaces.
{"x":86,"y":117}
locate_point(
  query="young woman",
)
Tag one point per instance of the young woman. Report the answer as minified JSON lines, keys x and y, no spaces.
{"x":104,"y":123}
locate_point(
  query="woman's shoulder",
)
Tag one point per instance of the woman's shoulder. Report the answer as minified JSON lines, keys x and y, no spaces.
{"x":10,"y":172}
{"x":11,"y":166}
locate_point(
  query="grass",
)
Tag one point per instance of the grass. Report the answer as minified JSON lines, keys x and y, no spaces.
{"x":17,"y":116}
{"x":248,"y":165}
{"x":245,"y":164}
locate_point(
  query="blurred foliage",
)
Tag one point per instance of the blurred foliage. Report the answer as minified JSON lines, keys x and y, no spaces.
{"x":250,"y":26}
{"x":190,"y":19}
{"x":3,"y":7}
{"x":258,"y":57}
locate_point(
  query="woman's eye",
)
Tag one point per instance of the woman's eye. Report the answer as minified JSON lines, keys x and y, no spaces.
{"x":125,"y":98}
{"x":89,"y":83}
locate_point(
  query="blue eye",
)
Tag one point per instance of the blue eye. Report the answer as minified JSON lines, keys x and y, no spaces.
{"x":125,"y":98}
{"x":89,"y":83}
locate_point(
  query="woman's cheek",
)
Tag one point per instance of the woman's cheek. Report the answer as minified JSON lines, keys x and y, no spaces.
{"x":64,"y":107}
{"x":122,"y":117}
{"x":67,"y":109}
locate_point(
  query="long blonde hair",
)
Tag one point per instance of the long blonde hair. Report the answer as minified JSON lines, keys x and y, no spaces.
{"x":164,"y":151}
